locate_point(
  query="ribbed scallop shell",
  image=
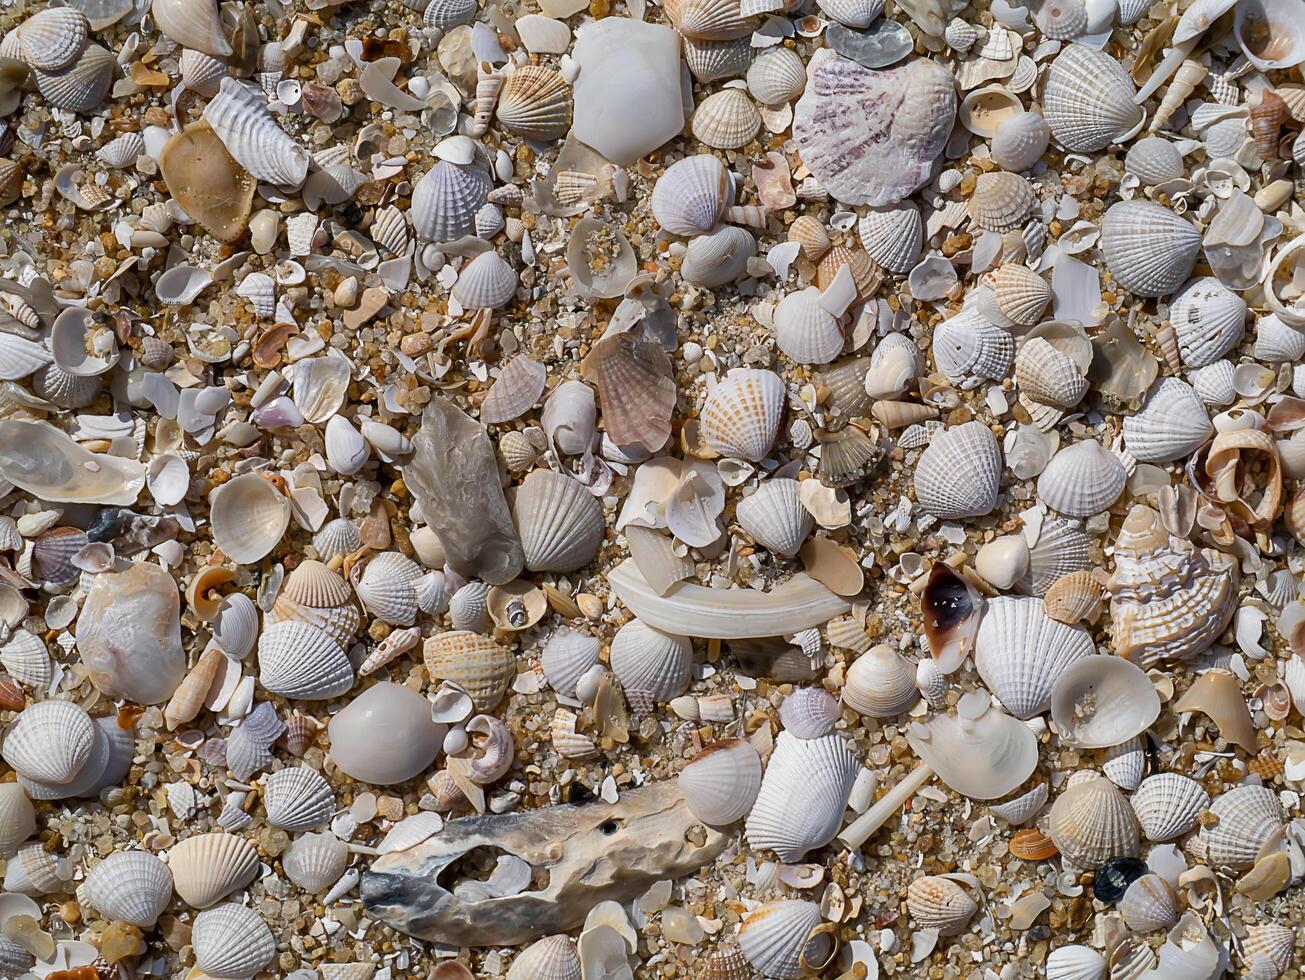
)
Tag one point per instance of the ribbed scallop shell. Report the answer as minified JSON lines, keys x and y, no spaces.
{"x":1088,"y":99}
{"x":469,"y":608}
{"x":297,"y":798}
{"x":485,"y":283}
{"x":809,"y":712}
{"x":709,"y":20}
{"x":1076,"y":963}
{"x":711,"y":61}
{"x":811,"y":234}
{"x":1001,"y":201}
{"x":1267,"y":949}
{"x":389,"y":230}
{"x":231,"y":942}
{"x":1082,"y":479}
{"x":778,"y":76}
{"x":550,"y":958}
{"x":296,"y":660}
{"x":1209,"y":319}
{"x":446,"y":199}
{"x":15,"y":961}
{"x":1020,"y":651}
{"x":50,"y":742}
{"x":445,"y":14}
{"x":892,"y":235}
{"x":253,"y":137}
{"x":51,"y":38}
{"x":514,"y":392}
{"x":566,"y":657}
{"x":1214,"y":382}
{"x":129,"y":886}
{"x":1020,"y":141}
{"x":940,"y":903}
{"x":1168,"y":805}
{"x":1048,"y":375}
{"x":559,"y":520}
{"x":388,"y":588}
{"x":1020,"y":294}
{"x":1125,"y":764}
{"x":1171,"y":424}
{"x":56,"y":385}
{"x":1248,"y":816}
{"x":803,"y":794}
{"x":21,"y":356}
{"x":1022,"y":808}
{"x":337,"y":538}
{"x":202,"y":72}
{"x":880,"y":683}
{"x":82,"y":86}
{"x":726,"y":120}
{"x":477,"y":664}
{"x":690,"y":195}
{"x":772,"y":937}
{"x":1149,"y":904}
{"x":721,"y":782}
{"x":1091,"y":822}
{"x":27,"y":660}
{"x":1276,"y":342}
{"x":208,"y":867}
{"x":535,"y":103}
{"x":969,"y":344}
{"x":314,"y":584}
{"x":1148,"y":249}
{"x":315,"y":862}
{"x":17,"y":818}
{"x":650,"y":663}
{"x":740,"y":417}
{"x":192,"y":24}
{"x":804,"y":330}
{"x":958,"y":474}
{"x":774,"y":517}
{"x":1154,"y":160}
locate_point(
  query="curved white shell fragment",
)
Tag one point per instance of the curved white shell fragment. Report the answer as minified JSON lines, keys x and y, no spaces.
{"x":251,"y":134}
{"x":1020,"y":652}
{"x":1103,"y":701}
{"x":803,"y":794}
{"x":42,"y":460}
{"x":720,"y":783}
{"x":193,"y":24}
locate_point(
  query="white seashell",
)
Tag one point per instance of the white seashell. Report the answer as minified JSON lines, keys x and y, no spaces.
{"x":566,"y":658}
{"x":121,"y":151}
{"x":445,"y":200}
{"x":249,"y":516}
{"x":1171,"y":424}
{"x":1149,"y":904}
{"x":958,"y":473}
{"x":411,"y":831}
{"x":208,"y":867}
{"x":1001,"y":201}
{"x":712,"y":61}
{"x":192,"y":24}
{"x":202,"y":72}
{"x":1275,"y":341}
{"x":51,"y":38}
{"x":469,"y":608}
{"x":741,"y":415}
{"x":804,"y":330}
{"x":83,"y":84}
{"x":1020,"y":652}
{"x":443,"y":15}
{"x":892,"y":235}
{"x":1023,"y":808}
{"x":936,"y":902}
{"x":709,"y":19}
{"x":550,"y":958}
{"x":297,"y":798}
{"x":969,"y":344}
{"x":27,"y":660}
{"x":1103,"y":701}
{"x":1020,"y":141}
{"x":803,"y":794}
{"x":857,"y":14}
{"x":1270,"y":33}
{"x":485,"y":283}
{"x":337,"y":538}
{"x":774,"y":517}
{"x":1209,"y":319}
{"x":346,"y":450}
{"x":129,"y":886}
{"x":387,"y":588}
{"x":1168,"y":805}
{"x":315,"y":862}
{"x":721,"y":782}
{"x":50,"y":742}
{"x":1091,"y":822}
{"x":777,"y":76}
{"x":649,"y":663}
{"x":1267,"y":950}
{"x":260,"y":289}
{"x":1048,"y":376}
{"x":34,"y":871}
{"x":1125,"y":764}
{"x":691,"y":194}
{"x":880,"y":683}
{"x":535,"y":102}
{"x":251,"y":134}
{"x":1149,"y":249}
{"x":809,"y":712}
{"x":20,"y":357}
{"x":1082,"y":479}
{"x":389,"y":230}
{"x":17,"y":818}
{"x":1214,"y":383}
{"x":774,"y":936}
{"x":296,"y":660}
{"x":718,"y":257}
{"x":1075,"y":963}
{"x":1087,"y":100}
{"x":1154,"y":160}
{"x":1247,"y":817}
{"x":231,"y":942}
{"x":559,"y":521}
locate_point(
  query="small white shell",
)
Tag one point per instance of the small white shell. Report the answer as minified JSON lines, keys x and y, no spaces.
{"x":1171,"y":424}
{"x":804,"y":330}
{"x":315,"y":862}
{"x":1168,"y":805}
{"x":1020,"y":652}
{"x":721,"y":782}
{"x":52,"y":38}
{"x":566,"y":658}
{"x":1149,"y":904}
{"x":485,"y":283}
{"x":741,"y":415}
{"x":1020,"y":141}
{"x":777,"y":76}
{"x":774,"y":517}
{"x":719,"y":257}
{"x":726,"y":120}
{"x":445,"y":200}
{"x":1276,"y":341}
{"x":122,"y":151}
{"x":936,"y":902}
{"x":1022,"y":808}
{"x":232,"y":942}
{"x":803,"y":794}
{"x":1247,"y":816}
{"x":691,"y":194}
{"x":296,"y":660}
{"x":560,"y":522}
{"x":129,"y":886}
{"x":551,"y":958}
{"x":1148,"y":248}
{"x":774,"y":936}
{"x":1209,"y":319}
{"x":880,"y":683}
{"x":337,"y":538}
{"x":83,"y":84}
{"x":958,"y":473}
{"x":17,"y":818}
{"x":387,"y":588}
{"x":1076,"y":963}
{"x":346,"y":450}
{"x":892,"y":235}
{"x":969,"y":344}
{"x":809,"y":712}
{"x":1082,"y":479}
{"x":1154,"y":161}
{"x":208,"y":867}
{"x":202,"y":72}
{"x":298,"y":798}
{"x":50,"y":742}
{"x":1092,"y":822}
{"x":650,"y":663}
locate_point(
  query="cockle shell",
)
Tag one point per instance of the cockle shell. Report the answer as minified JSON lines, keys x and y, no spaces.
{"x":445,"y":200}
{"x":193,"y":24}
{"x":26,"y":658}
{"x":34,"y":871}
{"x":1267,"y":949}
{"x":1154,"y":160}
{"x":774,"y":517}
{"x":1001,"y":201}
{"x":1020,"y":294}
{"x":202,"y":72}
{"x":1087,"y":100}
{"x":566,"y":658}
{"x":880,"y":683}
{"x":1168,"y":805}
{"x":446,"y":14}
{"x":232,"y":941}
{"x":717,"y":20}
{"x":712,"y":61}
{"x":297,"y":798}
{"x":251,"y":134}
{"x":651,"y":665}
{"x":387,"y":588}
{"x":721,"y":782}
{"x":1020,"y":141}
{"x":83,"y":84}
{"x":811,"y":235}
{"x":857,"y":14}
{"x":970,"y":344}
{"x":774,"y":936}
{"x":51,"y":38}
{"x":691,"y":194}
{"x":487,"y":282}
{"x":777,"y":76}
{"x":1022,"y":808}
{"x":958,"y":474}
{"x":50,"y":741}
{"x":337,"y":538}
{"x":1091,"y":822}
{"x":1247,"y":817}
{"x":1048,"y":376}
{"x":1171,"y":424}
{"x":803,"y":794}
{"x":1148,"y":248}
{"x":726,"y":120}
{"x":719,"y":257}
{"x":1075,"y":963}
{"x":550,"y":958}
{"x":535,"y":103}
{"x":936,"y":902}
{"x":741,"y":415}
{"x":1062,"y":547}
{"x":17,"y":818}
{"x":296,"y":660}
{"x":249,"y":516}
{"x":1082,"y":479}
{"x":636,"y":388}
{"x":1209,"y":319}
{"x":809,"y":712}
{"x":560,"y":522}
{"x":1275,"y":341}
{"x":1150,"y":903}
{"x":1020,"y":652}
{"x":129,"y":886}
{"x":208,"y":867}
{"x":315,"y":862}
{"x":477,"y":664}
{"x":804,"y":330}
{"x":892,"y":235}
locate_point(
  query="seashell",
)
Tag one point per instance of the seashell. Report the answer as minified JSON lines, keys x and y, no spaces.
{"x":709,"y":20}
{"x":296,"y":660}
{"x":514,"y":392}
{"x":17,"y":818}
{"x":208,"y":867}
{"x":880,"y":683}
{"x":1021,"y":295}
{"x":1269,"y":33}
{"x":535,"y":103}
{"x":711,"y":61}
{"x":1048,"y":376}
{"x":469,"y":608}
{"x":1087,"y":100}
{"x":387,"y":588}
{"x":777,"y":76}
{"x":1246,"y":818}
{"x":231,"y":941}
{"x":774,"y":517}
{"x":969,"y":344}
{"x":1001,"y":201}
{"x":1154,"y":161}
{"x":637,"y":390}
{"x":560,"y":522}
{"x":485,"y":283}
{"x":1172,"y":423}
{"x":1168,"y":805}
{"x":50,"y":742}
{"x":774,"y":936}
{"x":957,"y":475}
{"x":1217,"y":694}
{"x":1100,"y":702}
{"x":314,"y":585}
{"x":1082,"y":479}
{"x":443,"y":15}
{"x":66,"y":390}
{"x":1276,"y":342}
{"x":803,"y":794}
{"x":691,"y":195}
{"x":566,"y":658}
{"x":33,"y":871}
{"x":21,"y":357}
{"x":1209,"y":320}
{"x":804,"y":330}
{"x":192,"y":24}
{"x":475,"y":663}
{"x":251,"y":134}
{"x":847,"y":456}
{"x":188,"y":699}
{"x":650,"y":663}
{"x":260,"y":289}
{"x":741,"y":415}
{"x":81,"y":86}
{"x":951,"y":607}
{"x":1075,"y":598}
{"x":315,"y":862}
{"x":202,"y":72}
{"x":1023,"y":808}
{"x":1091,"y":822}
{"x":26,"y":658}
{"x":550,"y":958}
{"x":1075,"y":963}
{"x":297,"y":798}
{"x":50,"y":39}
{"x":811,"y":235}
{"x":488,"y":84}
{"x":937,"y":902}
{"x":718,"y":257}
{"x":1019,"y":141}
{"x":249,"y":516}
{"x":721,"y":782}
{"x":1148,"y":249}
{"x":1149,"y":904}
{"x":809,"y":712}
{"x":1020,"y":652}
{"x":858,"y":14}
{"x":1062,"y":19}
{"x":386,"y":735}
{"x":52,"y":554}
{"x":1267,"y":949}
{"x":892,"y":235}
{"x":726,"y":120}
{"x":446,"y":199}
{"x":129,"y":886}
{"x":337,"y":538}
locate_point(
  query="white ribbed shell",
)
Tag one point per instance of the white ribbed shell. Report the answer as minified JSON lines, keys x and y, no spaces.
{"x":805,"y":331}
{"x":969,"y":344}
{"x":892,"y":235}
{"x":774,"y":517}
{"x":129,"y":886}
{"x":1020,"y":651}
{"x":772,"y":937}
{"x":1088,"y":99}
{"x":652,"y":663}
{"x":298,"y":798}
{"x":1148,"y":248}
{"x":1076,"y":963}
{"x":1171,"y":424}
{"x":315,"y":862}
{"x":232,"y":942}
{"x":958,"y":473}
{"x":1082,"y":479}
{"x":446,"y":199}
{"x":1091,"y":822}
{"x":559,"y":520}
{"x":296,"y":660}
{"x":691,"y":194}
{"x":803,"y":795}
{"x":1168,"y":805}
{"x":1209,"y":319}
{"x":208,"y":867}
{"x":1248,"y":816}
{"x":566,"y":658}
{"x":240,"y":117}
{"x":741,"y":414}
{"x":50,"y":741}
{"x":485,"y":283}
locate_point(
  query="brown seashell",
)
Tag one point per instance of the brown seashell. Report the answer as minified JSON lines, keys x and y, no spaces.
{"x":11,"y":182}
{"x":482,"y":667}
{"x":271,"y":342}
{"x":1031,"y":844}
{"x":1246,"y":476}
{"x":12,"y":697}
{"x":201,"y":594}
{"x":1075,"y":598}
{"x":1293,"y":515}
{"x":1267,"y":117}
{"x":898,"y":415}
{"x":810,"y":233}
{"x":865,"y":272}
{"x":951,"y":607}
{"x":1217,"y":694}
{"x":535,"y":102}
{"x":206,"y":182}
{"x":636,"y":389}
{"x":300,"y":733}
{"x":188,"y":699}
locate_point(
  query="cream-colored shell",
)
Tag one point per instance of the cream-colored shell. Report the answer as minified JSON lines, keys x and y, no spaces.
{"x":1082,"y":479}
{"x":740,"y":417}
{"x":937,"y":902}
{"x":720,"y":784}
{"x":208,"y":867}
{"x":726,"y":120}
{"x":560,"y":522}
{"x":958,"y":474}
{"x":1091,"y":822}
{"x":803,"y":794}
{"x":880,"y":683}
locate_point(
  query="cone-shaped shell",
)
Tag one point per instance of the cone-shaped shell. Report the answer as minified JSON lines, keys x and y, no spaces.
{"x":550,"y":958}
{"x":880,"y":683}
{"x":774,"y":517}
{"x":296,"y":660}
{"x":1148,"y":248}
{"x":1020,"y":652}
{"x":192,"y":24}
{"x":940,"y":903}
{"x":650,"y":663}
{"x":1082,"y":479}
{"x":535,"y":102}
{"x":1168,"y":805}
{"x":721,"y":782}
{"x":1172,"y":423}
{"x":297,"y":798}
{"x":803,"y":794}
{"x":1247,"y":816}
{"x":773,"y":937}
{"x":50,"y":742}
{"x":691,"y":194}
{"x":231,"y":942}
{"x":560,"y":522}
{"x":958,"y":474}
{"x":1208,"y":319}
{"x":1091,"y":822}
{"x":445,"y":200}
{"x":892,"y":235}
{"x":1088,"y":100}
{"x":208,"y":867}
{"x":477,"y":664}
{"x":741,"y":415}
{"x":315,"y":862}
{"x":129,"y":886}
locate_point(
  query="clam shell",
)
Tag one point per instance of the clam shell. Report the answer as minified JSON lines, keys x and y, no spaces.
{"x":1062,"y":547}
{"x":957,"y":475}
{"x":56,"y":385}
{"x":1172,"y":423}
{"x":1270,"y":33}
{"x":17,"y":818}
{"x":50,"y":39}
{"x":880,"y":683}
{"x":1021,"y":295}
{"x":231,"y":941}
{"x":1087,"y":100}
{"x":803,"y":794}
{"x":774,"y":517}
{"x":566,"y":658}
{"x":857,"y":14}
{"x":774,"y":936}
{"x":811,"y":235}
{"x":208,"y":867}
{"x":969,"y":344}
{"x":27,"y":660}
{"x":487,"y":282}
{"x":718,"y":257}
{"x":514,"y":392}
{"x":535,"y":102}
{"x":1091,"y":822}
{"x":637,"y":389}
{"x":192,"y":24}
{"x":315,"y":862}
{"x":726,"y":120}
{"x":337,"y":538}
{"x":709,"y":20}
{"x":444,"y":15}
{"x":445,"y":200}
{"x":202,"y":72}
{"x":1168,"y":805}
{"x":804,"y":330}
{"x":81,"y":86}
{"x":691,"y":194}
{"x":1074,"y":598}
{"x":1082,"y":479}
{"x":296,"y":660}
{"x":560,"y":522}
{"x":777,"y":76}
{"x":892,"y":235}
{"x":1022,"y":808}
{"x":1048,"y":376}
{"x":1209,"y":319}
{"x":50,"y":742}
{"x":20,"y":357}
{"x":1154,"y":161}
{"x":711,"y":61}
{"x":936,"y":902}
{"x":297,"y":798}
{"x":1020,"y":141}
{"x":475,"y":663}
{"x":1075,"y":963}
{"x":1268,"y":948}
{"x":129,"y":886}
{"x":1020,"y":652}
{"x":1103,"y":701}
{"x":1001,"y":201}
{"x":1275,"y":341}
{"x":809,"y":712}
{"x":249,"y":516}
{"x":251,"y":134}
{"x":550,"y":958}
{"x":741,"y":415}
{"x":721,"y":782}
{"x":1247,"y":816}
{"x":1148,"y":249}
{"x":387,"y":588}
{"x":651,"y":664}
{"x":34,"y":871}
{"x":315,"y":585}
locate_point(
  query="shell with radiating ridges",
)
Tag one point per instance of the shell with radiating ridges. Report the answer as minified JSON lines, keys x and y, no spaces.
{"x":803,"y":794}
{"x":690,"y":195}
{"x":566,"y":657}
{"x":192,"y":24}
{"x":535,"y":102}
{"x":1020,"y":141}
{"x":1088,"y":100}
{"x":892,"y":235}
{"x":560,"y":522}
{"x":809,"y":712}
{"x":129,"y":886}
{"x":740,"y":417}
{"x":1048,"y":376}
{"x":1267,"y":949}
{"x":777,"y":76}
{"x":231,"y":941}
{"x":958,"y":474}
{"x":297,"y":798}
{"x":726,"y":120}
{"x":1247,"y":816}
{"x":1148,"y":248}
{"x":1001,"y":201}
{"x":1209,"y":320}
{"x":17,"y":818}
{"x":1082,"y":479}
{"x":709,"y":20}
{"x":1168,"y":805}
{"x":1075,"y":963}
{"x":773,"y":516}
{"x":445,"y":200}
{"x":51,"y":38}
{"x":1154,"y":160}
{"x":1150,"y":903}
{"x":1020,"y":293}
{"x":1020,"y":651}
{"x":81,"y":86}
{"x":721,"y":782}
{"x":50,"y":742}
{"x":487,"y":282}
{"x":251,"y":134}
{"x":711,"y":61}
{"x":1022,"y":808}
{"x":387,"y":588}
{"x":296,"y":660}
{"x":208,"y":867}
{"x":202,"y":72}
{"x":940,"y":903}
{"x":880,"y":683}
{"x":773,"y":936}
{"x":550,"y":958}
{"x":1171,"y":424}
{"x":804,"y":330}
{"x":315,"y":862}
{"x":1092,"y":822}
{"x":649,"y":663}
{"x":970,"y":344}
{"x":477,"y":664}
{"x":719,"y":257}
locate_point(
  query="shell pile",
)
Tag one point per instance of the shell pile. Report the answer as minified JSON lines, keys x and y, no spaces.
{"x":569,"y":490}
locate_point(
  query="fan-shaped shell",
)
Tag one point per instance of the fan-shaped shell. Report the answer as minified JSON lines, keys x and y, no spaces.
{"x":249,"y":516}
{"x":718,"y":257}
{"x":388,"y":588}
{"x":1149,"y":904}
{"x":1154,"y":160}
{"x":446,"y":199}
{"x":27,"y":660}
{"x":1001,"y":201}
{"x":880,"y":683}
{"x":811,"y":235}
{"x":251,"y":134}
{"x":726,"y":120}
{"x":774,"y":517}
{"x":1246,"y":817}
{"x":475,"y":663}
{"x":17,"y":818}
{"x":446,"y":14}
{"x":193,"y":24}
{"x":236,"y":627}
{"x":1020,"y":652}
{"x":202,"y":72}
{"x":487,"y":282}
{"x":51,"y":38}
{"x":81,"y":86}
{"x":1148,"y":248}
{"x":1021,"y":294}
{"x":208,"y":867}
{"x":1082,"y":479}
{"x":721,"y":782}
{"x":231,"y":942}
{"x":296,"y":660}
{"x":969,"y":344}
{"x":315,"y":862}
{"x":740,"y":417}
{"x":650,"y":663}
{"x":957,"y":475}
{"x":773,"y":936}
{"x":314,"y":584}
{"x":1276,"y":342}
{"x":809,"y":712}
{"x":129,"y":886}
{"x":34,"y":871}
{"x":777,"y":76}
{"x":50,"y":741}
{"x":1022,"y":808}
{"x":691,"y":194}
{"x":559,"y":520}
{"x":1048,"y":375}
{"x":711,"y":61}
{"x":804,"y":330}
{"x":1076,"y":963}
{"x":1268,"y":948}
{"x":1088,"y":100}
{"x":1102,"y":701}
{"x":714,"y":20}
{"x":1172,"y":423}
{"x":637,"y":389}
{"x":297,"y":798}
{"x":1209,"y":319}
{"x":1168,"y":805}
{"x":1020,"y":141}
{"x":1091,"y":822}
{"x":858,"y":14}
{"x":566,"y":658}
{"x":514,"y":392}
{"x":803,"y":794}
{"x":892,"y":235}
{"x":550,"y":958}
{"x":535,"y":102}
{"x":936,"y":902}
{"x":337,"y":538}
